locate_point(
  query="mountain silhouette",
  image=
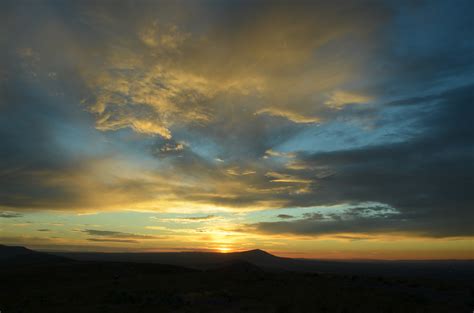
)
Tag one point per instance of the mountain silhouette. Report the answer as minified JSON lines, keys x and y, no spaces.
{"x":198,"y":260}
{"x":459,"y":269}
{"x":256,"y":253}
{"x":260,"y":258}
{"x":20,"y":255}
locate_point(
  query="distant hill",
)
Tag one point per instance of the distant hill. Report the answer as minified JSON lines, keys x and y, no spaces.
{"x":456,"y":269}
{"x":252,"y":261}
{"x":198,"y":260}
{"x":16,"y":255}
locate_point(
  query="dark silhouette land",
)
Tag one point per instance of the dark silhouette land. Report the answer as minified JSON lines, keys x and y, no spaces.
{"x":250,"y":281}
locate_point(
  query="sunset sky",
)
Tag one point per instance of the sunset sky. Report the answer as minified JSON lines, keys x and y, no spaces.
{"x":319,"y":129}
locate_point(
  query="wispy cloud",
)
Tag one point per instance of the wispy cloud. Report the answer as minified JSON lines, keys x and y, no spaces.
{"x":188,"y":219}
{"x":117,"y":234}
{"x":199,"y":218}
{"x":113,"y":240}
{"x":10,"y":215}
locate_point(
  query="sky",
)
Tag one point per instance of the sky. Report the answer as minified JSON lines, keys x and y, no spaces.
{"x":317,"y":129}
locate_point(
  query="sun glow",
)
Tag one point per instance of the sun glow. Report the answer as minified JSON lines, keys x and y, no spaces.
{"x":224,"y":249}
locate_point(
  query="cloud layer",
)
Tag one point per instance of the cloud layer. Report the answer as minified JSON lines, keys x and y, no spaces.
{"x":241,"y":107}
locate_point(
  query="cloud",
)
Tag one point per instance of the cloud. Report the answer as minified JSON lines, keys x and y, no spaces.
{"x":286,"y":178}
{"x":169,"y":148}
{"x":285,"y":216}
{"x":319,"y":216}
{"x":10,"y":215}
{"x":186,"y":220}
{"x":175,"y":78}
{"x":199,"y":218}
{"x":424,"y":179}
{"x":162,"y":80}
{"x":113,"y":240}
{"x":355,"y":220}
{"x":116,"y":234}
{"x":241,"y":107}
{"x":340,"y":98}
{"x":292,"y":116}
{"x":169,"y":38}
{"x":272,"y":153}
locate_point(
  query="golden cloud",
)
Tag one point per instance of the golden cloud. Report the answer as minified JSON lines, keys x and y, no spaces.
{"x":338,"y":99}
{"x":177,"y":77}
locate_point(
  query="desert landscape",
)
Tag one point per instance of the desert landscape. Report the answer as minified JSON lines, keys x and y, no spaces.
{"x":251,"y":281}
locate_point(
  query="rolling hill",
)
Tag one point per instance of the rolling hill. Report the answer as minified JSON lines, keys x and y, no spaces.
{"x":17,"y":255}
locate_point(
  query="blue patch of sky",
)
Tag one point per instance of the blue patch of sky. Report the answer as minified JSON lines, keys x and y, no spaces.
{"x":346,"y":135}
{"x":201,"y":145}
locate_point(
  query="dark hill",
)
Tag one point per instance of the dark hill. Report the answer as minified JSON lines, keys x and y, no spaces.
{"x":20,"y":255}
{"x":238,"y":267}
{"x":442,"y":269}
{"x":7,"y":252}
{"x":232,"y":285}
{"x":199,"y":260}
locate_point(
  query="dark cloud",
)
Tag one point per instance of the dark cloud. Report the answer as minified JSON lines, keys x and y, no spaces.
{"x":352,"y":238}
{"x":36,"y":128}
{"x":199,"y":218}
{"x":314,"y":216}
{"x":116,"y":234}
{"x":366,"y":220}
{"x":112,"y":240}
{"x":169,"y":147}
{"x":427,"y":179}
{"x":285,"y":216}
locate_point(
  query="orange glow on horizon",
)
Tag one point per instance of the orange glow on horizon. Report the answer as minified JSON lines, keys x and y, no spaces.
{"x":224,"y":250}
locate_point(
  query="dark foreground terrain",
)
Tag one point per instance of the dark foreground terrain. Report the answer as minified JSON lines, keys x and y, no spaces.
{"x":50,"y":284}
